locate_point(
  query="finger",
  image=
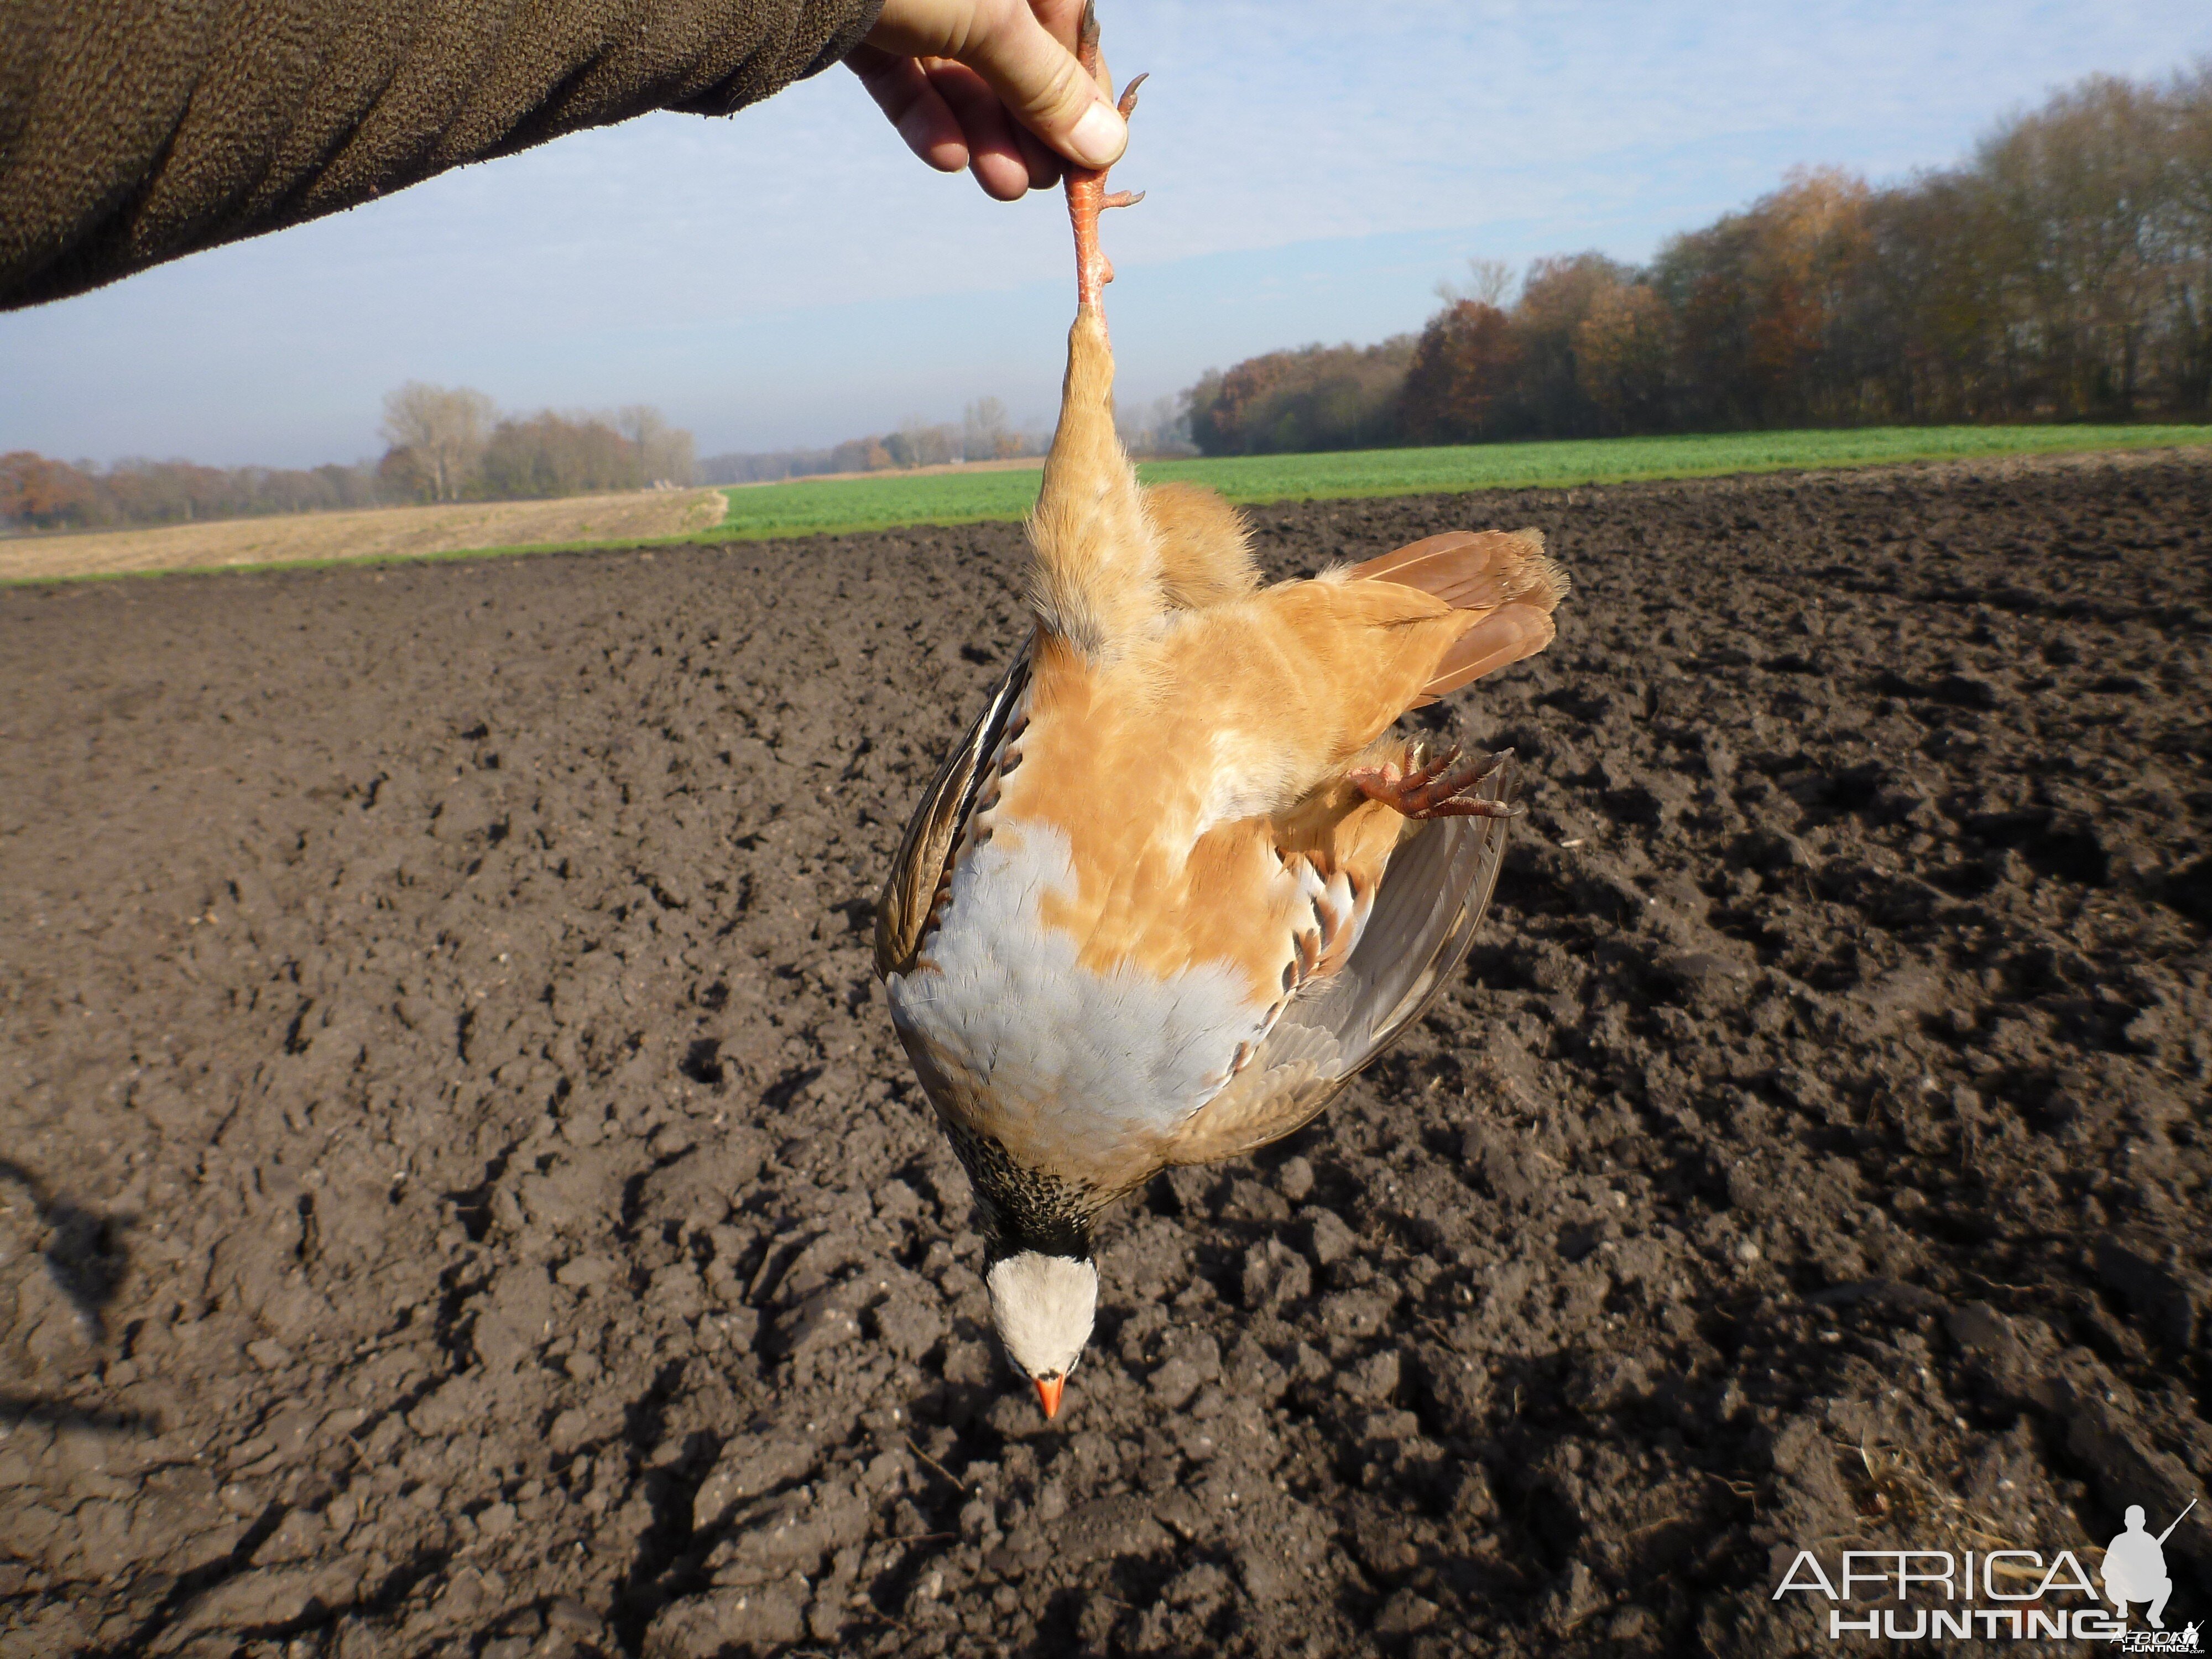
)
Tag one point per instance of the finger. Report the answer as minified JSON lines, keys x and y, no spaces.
{"x":904,"y":93}
{"x":993,"y":155}
{"x":1036,"y":76}
{"x":1060,"y":19}
{"x":1045,"y":164}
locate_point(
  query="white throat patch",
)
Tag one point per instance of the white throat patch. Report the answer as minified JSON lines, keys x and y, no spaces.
{"x":1043,"y":1306}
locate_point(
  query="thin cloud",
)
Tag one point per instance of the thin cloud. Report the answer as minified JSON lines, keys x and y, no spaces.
{"x":792,"y":276}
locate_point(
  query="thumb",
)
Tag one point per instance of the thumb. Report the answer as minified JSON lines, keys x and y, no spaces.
{"x":1040,"y":80}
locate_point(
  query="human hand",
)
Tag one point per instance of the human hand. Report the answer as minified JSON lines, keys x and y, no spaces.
{"x":992,"y":86}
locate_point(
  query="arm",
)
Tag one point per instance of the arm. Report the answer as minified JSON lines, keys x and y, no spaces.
{"x":134,"y":132}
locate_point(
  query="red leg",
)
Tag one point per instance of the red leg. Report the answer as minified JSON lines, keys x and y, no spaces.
{"x":1086,"y":187}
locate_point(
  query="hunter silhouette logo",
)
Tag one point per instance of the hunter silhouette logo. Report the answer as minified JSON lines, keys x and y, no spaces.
{"x":1998,"y":1594}
{"x":2134,"y":1568}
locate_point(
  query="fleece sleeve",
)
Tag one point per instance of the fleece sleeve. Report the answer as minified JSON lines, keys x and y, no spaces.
{"x":133,"y":131}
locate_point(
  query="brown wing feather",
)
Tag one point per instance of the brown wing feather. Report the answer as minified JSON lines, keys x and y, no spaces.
{"x":1503,"y":573}
{"x":910,"y":891}
{"x":1432,"y":899}
{"x":1472,"y":569}
{"x":1506,"y":635}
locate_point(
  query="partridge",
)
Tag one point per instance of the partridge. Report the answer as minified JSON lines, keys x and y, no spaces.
{"x":1177,"y":884}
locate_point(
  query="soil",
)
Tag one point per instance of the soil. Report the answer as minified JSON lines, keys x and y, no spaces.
{"x":462,"y":1194}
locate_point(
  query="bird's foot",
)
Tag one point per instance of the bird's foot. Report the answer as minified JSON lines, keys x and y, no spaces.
{"x":1443,"y":786}
{"x":1086,"y":187}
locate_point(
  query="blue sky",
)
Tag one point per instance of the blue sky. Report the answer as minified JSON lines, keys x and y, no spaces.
{"x":792,"y":276}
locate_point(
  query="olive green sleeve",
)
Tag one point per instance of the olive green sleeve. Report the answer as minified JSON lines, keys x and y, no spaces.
{"x":133,"y":131}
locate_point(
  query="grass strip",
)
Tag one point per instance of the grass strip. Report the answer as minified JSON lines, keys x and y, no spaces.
{"x":838,"y":506}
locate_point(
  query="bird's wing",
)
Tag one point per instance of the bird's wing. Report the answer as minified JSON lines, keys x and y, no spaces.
{"x":1504,"y":574}
{"x":1432,"y":899}
{"x":919,"y":870}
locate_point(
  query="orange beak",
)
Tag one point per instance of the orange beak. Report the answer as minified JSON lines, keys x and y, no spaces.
{"x":1049,"y":1388}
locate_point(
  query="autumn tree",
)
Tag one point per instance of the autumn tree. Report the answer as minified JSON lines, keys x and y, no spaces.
{"x":1758,"y":300}
{"x":552,"y":454}
{"x":1624,"y":350}
{"x":36,"y":493}
{"x":1460,"y":382}
{"x":2189,"y":196}
{"x":1923,"y":327}
{"x":1340,"y":397}
{"x":40,"y":494}
{"x":2084,"y":188}
{"x":2063,"y":272}
{"x":869,"y":454}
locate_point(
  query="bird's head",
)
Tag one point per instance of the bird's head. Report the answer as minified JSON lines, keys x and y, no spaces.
{"x":1043,"y":1306}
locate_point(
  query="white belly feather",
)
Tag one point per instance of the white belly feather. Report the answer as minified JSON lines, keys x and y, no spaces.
{"x":1050,"y":1043}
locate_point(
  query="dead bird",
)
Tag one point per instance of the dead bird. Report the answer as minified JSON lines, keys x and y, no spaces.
{"x":1177,"y":885}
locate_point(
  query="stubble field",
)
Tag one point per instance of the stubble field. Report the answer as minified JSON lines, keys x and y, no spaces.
{"x":381,"y":533}
{"x":459,"y":1192}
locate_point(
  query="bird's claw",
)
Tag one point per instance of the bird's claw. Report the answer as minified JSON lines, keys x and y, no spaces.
{"x":1439,"y":787}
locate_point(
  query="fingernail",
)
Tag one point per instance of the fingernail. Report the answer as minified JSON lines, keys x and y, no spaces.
{"x":1098,"y":138}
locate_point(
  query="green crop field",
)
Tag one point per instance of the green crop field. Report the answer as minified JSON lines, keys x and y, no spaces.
{"x":805,"y":507}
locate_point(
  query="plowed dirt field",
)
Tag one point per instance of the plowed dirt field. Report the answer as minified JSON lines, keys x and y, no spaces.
{"x":460,"y":1194}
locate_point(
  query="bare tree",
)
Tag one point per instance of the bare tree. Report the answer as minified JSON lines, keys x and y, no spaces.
{"x":919,"y":442}
{"x":1158,"y":428}
{"x":1488,"y":282}
{"x":2085,"y":181}
{"x":675,"y":458}
{"x":666,"y":452}
{"x":984,"y":434}
{"x":441,"y":430}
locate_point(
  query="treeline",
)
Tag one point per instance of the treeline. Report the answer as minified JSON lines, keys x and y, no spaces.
{"x":2064,"y":273}
{"x":38,"y":493}
{"x":1341,"y":396}
{"x":443,"y":444}
{"x":450,"y":444}
{"x":982,"y":434}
